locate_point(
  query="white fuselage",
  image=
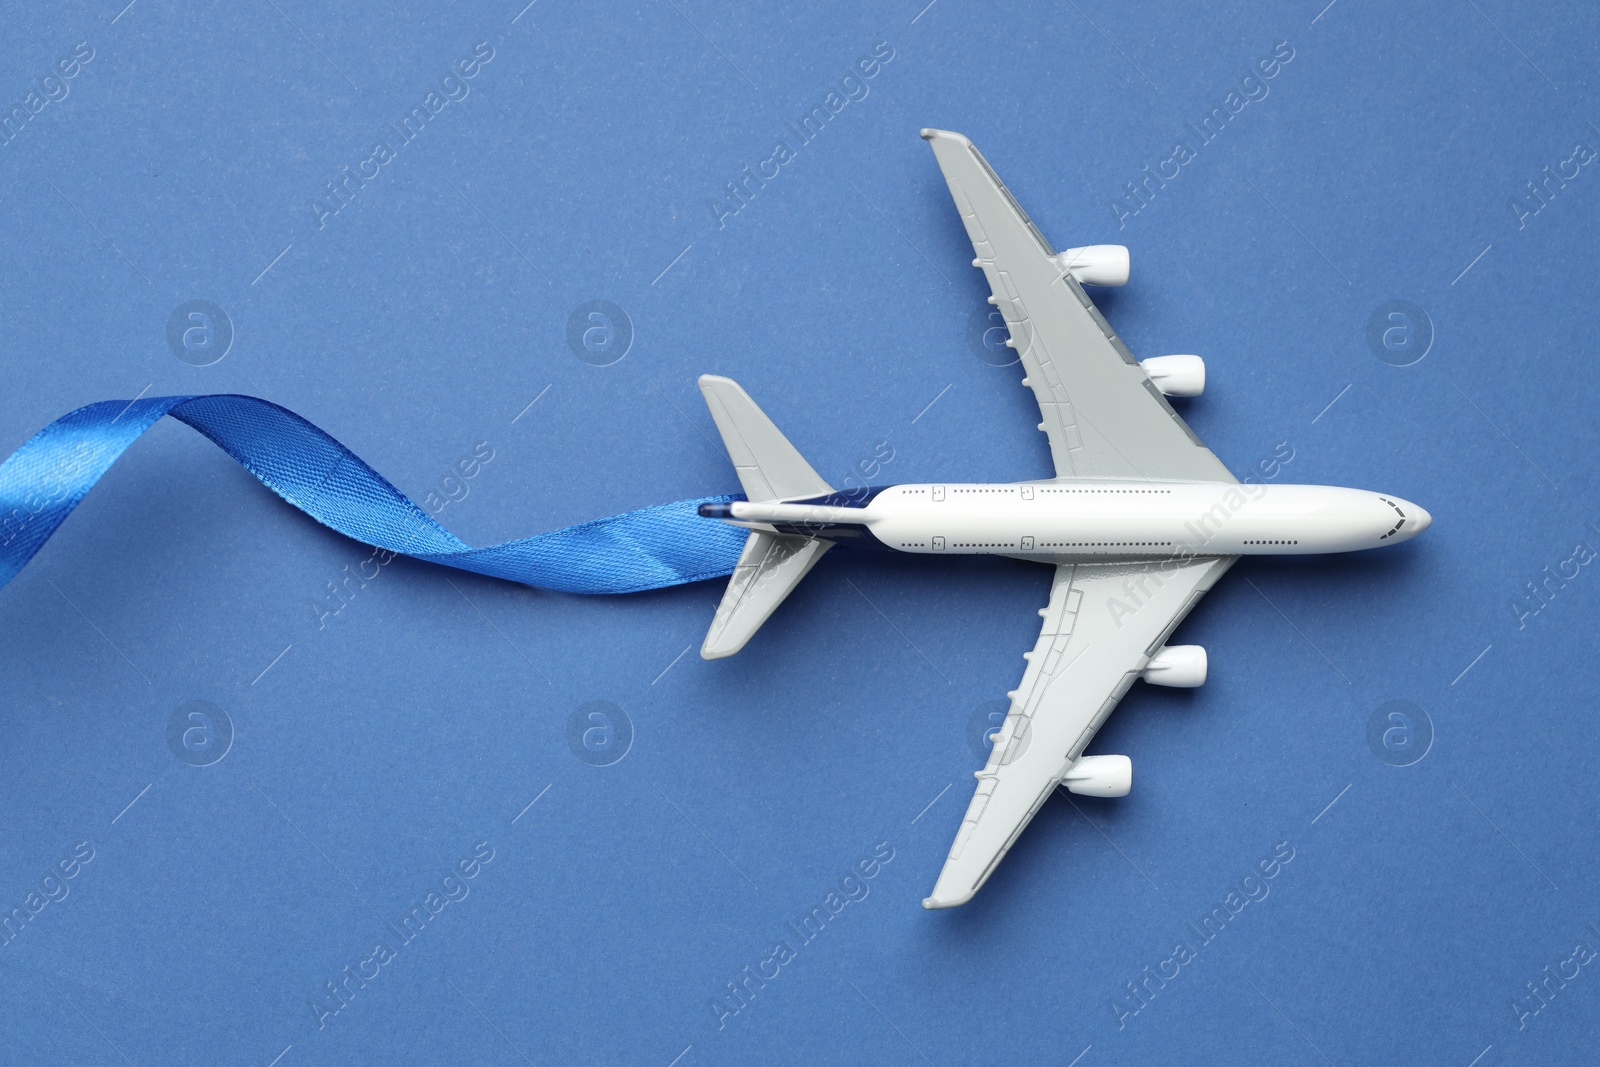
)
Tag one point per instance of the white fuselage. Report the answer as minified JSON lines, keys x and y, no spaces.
{"x":1072,"y":520}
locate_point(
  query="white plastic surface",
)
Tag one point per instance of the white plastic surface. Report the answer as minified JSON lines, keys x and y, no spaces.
{"x":1176,"y":375}
{"x":1100,"y":776}
{"x":1177,"y":666}
{"x":1085,"y":520}
{"x":777,"y":511}
{"x":1096,"y":264}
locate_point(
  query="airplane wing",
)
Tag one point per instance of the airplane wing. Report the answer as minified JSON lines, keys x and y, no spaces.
{"x":1104,"y":417}
{"x":1103,"y":623}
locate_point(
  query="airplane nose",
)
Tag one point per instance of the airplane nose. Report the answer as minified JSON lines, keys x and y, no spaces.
{"x":1420,"y":520}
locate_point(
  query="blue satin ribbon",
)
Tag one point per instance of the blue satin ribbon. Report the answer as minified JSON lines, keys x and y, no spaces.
{"x":652,"y":548}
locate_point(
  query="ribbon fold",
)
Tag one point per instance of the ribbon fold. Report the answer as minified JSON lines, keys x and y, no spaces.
{"x":652,"y":548}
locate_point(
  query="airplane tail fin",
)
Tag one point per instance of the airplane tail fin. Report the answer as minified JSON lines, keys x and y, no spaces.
{"x":772,"y":564}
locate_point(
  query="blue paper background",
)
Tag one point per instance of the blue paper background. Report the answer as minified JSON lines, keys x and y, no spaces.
{"x":372,"y":750}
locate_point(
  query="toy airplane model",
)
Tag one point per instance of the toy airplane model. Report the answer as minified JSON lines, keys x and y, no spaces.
{"x":1139,"y":522}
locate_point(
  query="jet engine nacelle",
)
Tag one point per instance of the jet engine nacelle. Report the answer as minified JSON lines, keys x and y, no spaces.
{"x":1178,"y":666}
{"x":1176,"y":375}
{"x":1100,"y":776}
{"x":1096,"y":264}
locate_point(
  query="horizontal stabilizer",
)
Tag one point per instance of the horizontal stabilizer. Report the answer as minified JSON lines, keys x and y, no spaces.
{"x":770,"y":566}
{"x":768,"y":466}
{"x":772,"y":563}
